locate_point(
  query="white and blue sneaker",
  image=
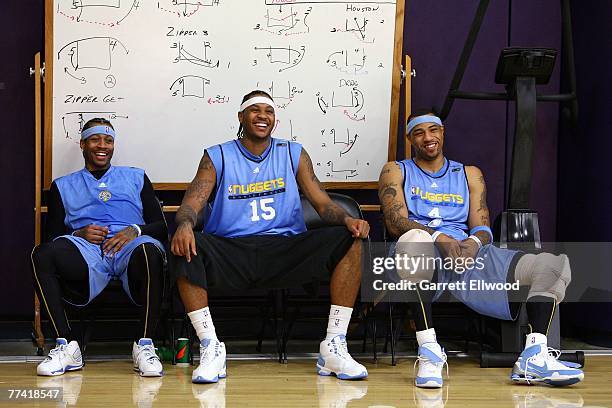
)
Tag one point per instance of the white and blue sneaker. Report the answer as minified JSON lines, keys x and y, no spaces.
{"x":64,"y":357}
{"x":539,"y":364}
{"x":146,"y":361}
{"x":334,"y":359}
{"x":431,"y":361}
{"x":212,"y":362}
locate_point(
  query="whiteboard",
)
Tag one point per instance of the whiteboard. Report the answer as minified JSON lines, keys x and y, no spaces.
{"x":170,"y":75}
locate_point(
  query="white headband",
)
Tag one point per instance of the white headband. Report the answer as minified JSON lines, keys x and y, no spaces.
{"x":257,"y":99}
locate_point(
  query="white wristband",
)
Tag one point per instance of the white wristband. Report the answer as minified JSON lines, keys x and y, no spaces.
{"x":137,"y":228}
{"x":435,"y":235}
{"x":477,"y":240}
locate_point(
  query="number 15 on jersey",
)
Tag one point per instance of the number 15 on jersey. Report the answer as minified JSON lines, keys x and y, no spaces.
{"x":262,"y":209}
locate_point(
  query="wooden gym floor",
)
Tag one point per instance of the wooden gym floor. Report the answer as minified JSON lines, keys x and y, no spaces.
{"x":266,"y":383}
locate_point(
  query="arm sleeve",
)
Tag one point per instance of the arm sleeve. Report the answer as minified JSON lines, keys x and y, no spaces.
{"x":155,"y":223}
{"x":54,"y":225}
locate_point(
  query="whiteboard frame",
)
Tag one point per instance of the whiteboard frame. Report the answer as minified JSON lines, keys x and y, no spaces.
{"x":349,"y":185}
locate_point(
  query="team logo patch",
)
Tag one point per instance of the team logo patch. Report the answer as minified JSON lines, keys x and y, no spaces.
{"x":413,"y":190}
{"x":105,"y":195}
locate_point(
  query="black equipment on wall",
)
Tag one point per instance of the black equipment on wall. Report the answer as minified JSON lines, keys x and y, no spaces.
{"x":521,"y":69}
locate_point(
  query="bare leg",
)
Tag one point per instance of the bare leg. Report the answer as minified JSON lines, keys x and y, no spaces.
{"x":194,"y":297}
{"x":346,"y":278}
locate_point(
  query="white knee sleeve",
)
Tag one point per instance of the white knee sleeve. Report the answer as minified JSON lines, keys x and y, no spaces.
{"x":548,"y":274}
{"x":414,"y":255}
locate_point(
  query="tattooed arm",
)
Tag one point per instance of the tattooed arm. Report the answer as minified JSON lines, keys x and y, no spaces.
{"x":183,"y":242}
{"x":393,"y":203}
{"x":329,"y":211}
{"x":479,"y":212}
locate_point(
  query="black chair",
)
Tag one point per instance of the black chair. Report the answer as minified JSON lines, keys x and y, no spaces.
{"x":293,"y":304}
{"x":463,"y":321}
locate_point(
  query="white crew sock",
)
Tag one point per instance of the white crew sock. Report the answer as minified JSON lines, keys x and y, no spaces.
{"x":339,"y":318}
{"x":426,"y":336}
{"x":535,"y":338}
{"x":203,"y":324}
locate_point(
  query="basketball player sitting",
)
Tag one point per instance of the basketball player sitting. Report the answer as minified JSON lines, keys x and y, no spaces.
{"x":104,"y":223}
{"x":432,"y":200}
{"x":255,"y":236}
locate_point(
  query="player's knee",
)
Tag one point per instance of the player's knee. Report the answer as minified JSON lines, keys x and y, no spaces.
{"x":41,"y":252}
{"x":414,"y":249}
{"x":150,"y":252}
{"x":153,"y":252}
{"x":551,"y":276}
{"x":415,"y":236}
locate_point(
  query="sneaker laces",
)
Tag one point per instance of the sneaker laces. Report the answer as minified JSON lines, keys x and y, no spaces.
{"x":549,"y":353}
{"x":55,"y":350}
{"x":207,"y":356}
{"x":149,"y":352}
{"x":425,"y":360}
{"x":553,"y":352}
{"x":340,"y":349}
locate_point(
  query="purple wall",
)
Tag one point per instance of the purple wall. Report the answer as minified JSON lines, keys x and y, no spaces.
{"x":585,"y":187}
{"x":434,"y":37}
{"x":22,"y":37}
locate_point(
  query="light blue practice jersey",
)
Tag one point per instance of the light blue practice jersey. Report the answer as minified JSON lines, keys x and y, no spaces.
{"x":256,"y":195}
{"x":440,"y":200}
{"x":112,"y":201}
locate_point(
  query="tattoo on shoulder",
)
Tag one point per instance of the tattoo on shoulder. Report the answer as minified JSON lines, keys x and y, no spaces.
{"x":387,"y":168}
{"x":205,"y":163}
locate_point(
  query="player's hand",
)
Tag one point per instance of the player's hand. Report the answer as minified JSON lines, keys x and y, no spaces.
{"x":92,"y":233}
{"x":359,"y":228}
{"x":469,"y":248}
{"x":113,"y":245}
{"x":183,"y":242}
{"x":448,"y":247}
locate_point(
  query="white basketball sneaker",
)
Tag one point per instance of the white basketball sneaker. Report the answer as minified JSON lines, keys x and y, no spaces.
{"x":212,"y":362}
{"x":431,"y":361}
{"x":146,"y":362}
{"x":539,"y":363}
{"x":64,"y":357}
{"x":334,"y":359}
